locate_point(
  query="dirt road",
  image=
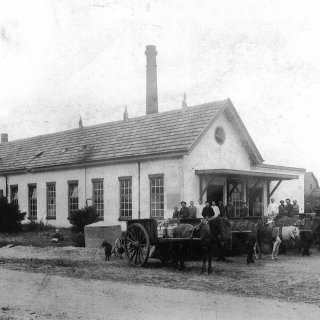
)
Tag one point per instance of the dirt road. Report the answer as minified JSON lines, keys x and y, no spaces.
{"x":41,"y":296}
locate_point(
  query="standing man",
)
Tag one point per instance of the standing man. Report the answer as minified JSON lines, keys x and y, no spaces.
{"x":289,"y":208}
{"x":244,"y":210}
{"x":295,"y":208}
{"x":200,"y":207}
{"x":221,"y":209}
{"x":257,"y":208}
{"x":272,"y":208}
{"x":207,"y":211}
{"x":184,"y":212}
{"x":282,"y":209}
{"x":215,"y":209}
{"x":192,"y":211}
{"x":230,"y":209}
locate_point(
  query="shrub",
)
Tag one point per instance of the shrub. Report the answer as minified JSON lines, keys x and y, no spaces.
{"x":78,"y":239}
{"x":37,"y":226}
{"x":83,"y":217}
{"x":10,"y":216}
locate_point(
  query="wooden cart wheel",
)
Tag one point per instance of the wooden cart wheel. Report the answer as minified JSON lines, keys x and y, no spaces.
{"x":137,"y":245}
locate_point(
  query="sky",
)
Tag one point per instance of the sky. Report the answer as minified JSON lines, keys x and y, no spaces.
{"x":62,"y":59}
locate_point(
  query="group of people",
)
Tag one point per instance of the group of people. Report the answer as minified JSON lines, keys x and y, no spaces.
{"x":212,"y":211}
{"x":285,"y":209}
{"x":206,"y":210}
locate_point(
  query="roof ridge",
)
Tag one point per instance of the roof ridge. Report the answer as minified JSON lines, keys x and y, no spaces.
{"x":85,"y":128}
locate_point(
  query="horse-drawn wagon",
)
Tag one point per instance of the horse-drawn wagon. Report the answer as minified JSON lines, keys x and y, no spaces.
{"x":141,"y":234}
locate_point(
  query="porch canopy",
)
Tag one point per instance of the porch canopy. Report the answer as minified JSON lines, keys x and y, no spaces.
{"x":237,"y":175}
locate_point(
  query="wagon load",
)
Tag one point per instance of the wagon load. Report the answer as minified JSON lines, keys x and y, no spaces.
{"x":287,"y":222}
{"x":242,"y":225}
{"x":165,"y":228}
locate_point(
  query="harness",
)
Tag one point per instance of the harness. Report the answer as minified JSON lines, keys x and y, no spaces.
{"x":197,"y":228}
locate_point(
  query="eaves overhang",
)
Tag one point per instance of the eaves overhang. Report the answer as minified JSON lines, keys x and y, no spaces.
{"x":230,"y":173}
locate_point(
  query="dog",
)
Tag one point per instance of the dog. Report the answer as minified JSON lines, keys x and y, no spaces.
{"x":107,"y":249}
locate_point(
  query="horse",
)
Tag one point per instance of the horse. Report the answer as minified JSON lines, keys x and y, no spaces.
{"x":213,"y":237}
{"x":274,"y":236}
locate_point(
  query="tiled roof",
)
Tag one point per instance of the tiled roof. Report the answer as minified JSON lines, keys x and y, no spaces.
{"x":167,"y":132}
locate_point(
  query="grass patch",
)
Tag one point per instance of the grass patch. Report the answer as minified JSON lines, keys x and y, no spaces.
{"x":36,"y":238}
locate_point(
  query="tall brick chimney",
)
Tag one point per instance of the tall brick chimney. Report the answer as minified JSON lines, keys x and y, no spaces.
{"x":4,"y":137}
{"x":152,"y":88}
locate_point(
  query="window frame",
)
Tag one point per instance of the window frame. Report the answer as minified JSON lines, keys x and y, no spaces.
{"x":14,"y":186}
{"x":49,"y":197}
{"x":72,"y":183}
{"x":156,"y":177}
{"x":98,"y":180}
{"x":32,"y":217}
{"x":121,"y":180}
{"x":237,"y":197}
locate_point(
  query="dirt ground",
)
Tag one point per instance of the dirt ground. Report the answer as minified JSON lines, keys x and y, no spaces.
{"x":291,"y":278}
{"x":42,"y":296}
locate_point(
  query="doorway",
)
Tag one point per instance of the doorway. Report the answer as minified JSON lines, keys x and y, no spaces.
{"x":215,"y":193}
{"x":257,"y":193}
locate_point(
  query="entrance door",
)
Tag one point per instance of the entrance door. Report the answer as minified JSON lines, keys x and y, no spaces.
{"x":215,"y":193}
{"x":257,"y":193}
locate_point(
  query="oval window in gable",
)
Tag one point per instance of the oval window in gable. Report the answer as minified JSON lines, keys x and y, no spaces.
{"x":220,"y":135}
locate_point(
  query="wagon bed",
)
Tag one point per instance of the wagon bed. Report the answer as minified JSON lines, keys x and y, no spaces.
{"x":143,"y":233}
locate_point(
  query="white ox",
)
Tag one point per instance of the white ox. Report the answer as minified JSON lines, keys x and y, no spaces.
{"x":274,"y":236}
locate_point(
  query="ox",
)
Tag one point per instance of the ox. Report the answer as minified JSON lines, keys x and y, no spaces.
{"x":274,"y":236}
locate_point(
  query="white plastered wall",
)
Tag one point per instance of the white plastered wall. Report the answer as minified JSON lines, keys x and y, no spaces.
{"x":170,"y":168}
{"x":208,"y":154}
{"x":173,"y":184}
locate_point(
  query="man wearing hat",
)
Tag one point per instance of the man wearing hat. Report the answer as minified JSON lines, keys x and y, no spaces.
{"x":207,"y":211}
{"x":184,"y":212}
{"x":282,"y":209}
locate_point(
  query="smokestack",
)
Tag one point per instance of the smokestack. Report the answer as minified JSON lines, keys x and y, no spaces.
{"x":4,"y":137}
{"x":152,"y":88}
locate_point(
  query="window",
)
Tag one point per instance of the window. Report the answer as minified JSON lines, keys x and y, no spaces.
{"x":237,"y":194}
{"x":14,"y":194}
{"x":310,"y":186}
{"x":156,"y":196}
{"x":98,"y":196}
{"x":32,"y":202}
{"x":51,"y":200}
{"x":125,"y":197}
{"x":73,"y":197}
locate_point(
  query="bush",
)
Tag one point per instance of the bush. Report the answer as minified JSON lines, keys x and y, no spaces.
{"x":82,"y":217}
{"x":78,"y":239}
{"x":37,"y":226}
{"x":10,"y":216}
